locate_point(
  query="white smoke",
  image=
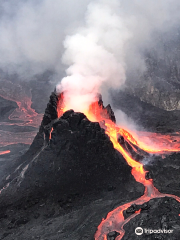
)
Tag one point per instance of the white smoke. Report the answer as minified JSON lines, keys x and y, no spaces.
{"x":32,"y":33}
{"x":95,"y":55}
{"x":113,"y":38}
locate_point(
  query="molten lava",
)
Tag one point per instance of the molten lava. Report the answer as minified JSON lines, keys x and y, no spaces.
{"x":22,"y":116}
{"x":4,"y":152}
{"x":149,"y":142}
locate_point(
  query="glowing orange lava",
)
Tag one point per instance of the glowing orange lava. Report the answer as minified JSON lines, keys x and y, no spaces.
{"x":156,"y":142}
{"x":149,"y":142}
{"x":22,"y":115}
{"x":4,"y":152}
{"x":50,"y":133}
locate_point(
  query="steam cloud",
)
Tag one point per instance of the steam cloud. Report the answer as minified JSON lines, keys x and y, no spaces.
{"x":95,"y":55}
{"x":99,"y":48}
{"x":113,"y":37}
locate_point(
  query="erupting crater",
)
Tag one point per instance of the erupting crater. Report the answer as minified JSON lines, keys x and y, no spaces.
{"x":82,"y":154}
{"x":132,"y":150}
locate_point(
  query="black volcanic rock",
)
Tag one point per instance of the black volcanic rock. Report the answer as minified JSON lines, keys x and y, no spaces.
{"x":112,"y":235}
{"x":110,"y":114}
{"x":6,"y":108}
{"x":136,"y":153}
{"x":145,"y":115}
{"x":134,"y":207}
{"x":79,"y":158}
{"x":165,"y":173}
{"x":162,"y":213}
{"x":70,"y":164}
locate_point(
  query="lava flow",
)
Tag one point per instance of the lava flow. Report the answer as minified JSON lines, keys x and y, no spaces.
{"x":23,"y":115}
{"x":115,"y":219}
{"x":4,"y":152}
{"x":156,"y":142}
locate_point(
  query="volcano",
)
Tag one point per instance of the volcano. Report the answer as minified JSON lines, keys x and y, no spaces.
{"x":83,"y":178}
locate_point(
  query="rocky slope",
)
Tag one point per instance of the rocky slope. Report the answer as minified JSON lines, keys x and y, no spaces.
{"x":159,"y":84}
{"x":157,"y":92}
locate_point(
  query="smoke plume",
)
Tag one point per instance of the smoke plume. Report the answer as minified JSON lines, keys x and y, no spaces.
{"x":105,"y":40}
{"x":95,"y":55}
{"x":113,"y":38}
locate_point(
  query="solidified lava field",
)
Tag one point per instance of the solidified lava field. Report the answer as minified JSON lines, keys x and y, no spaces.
{"x":72,"y":176}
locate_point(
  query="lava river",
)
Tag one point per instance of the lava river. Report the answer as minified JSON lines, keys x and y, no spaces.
{"x":22,"y":116}
{"x":149,"y":142}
